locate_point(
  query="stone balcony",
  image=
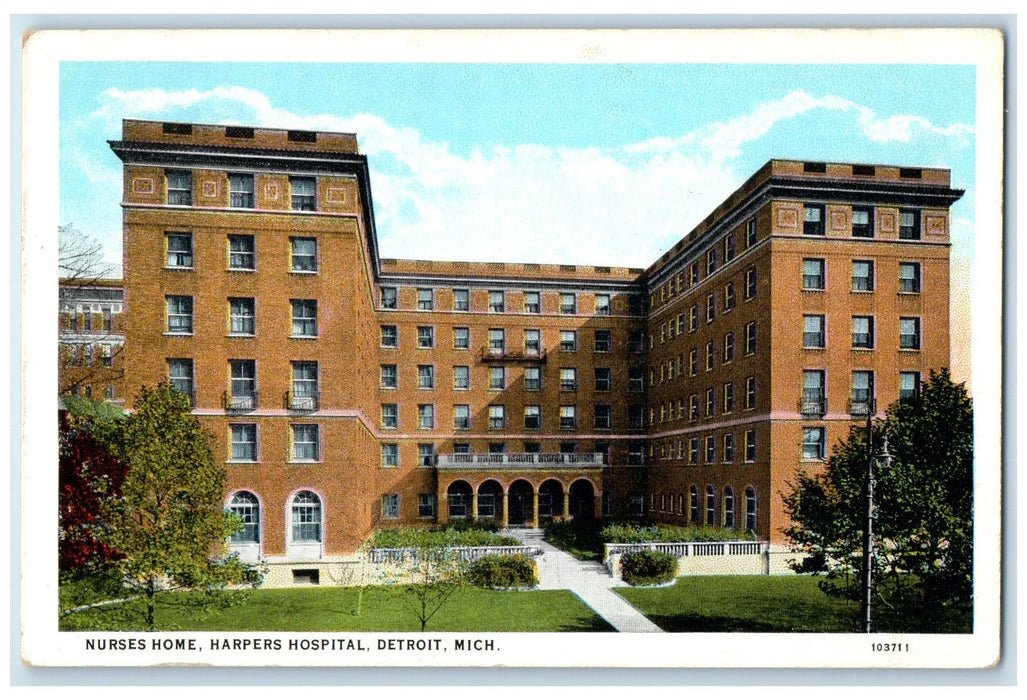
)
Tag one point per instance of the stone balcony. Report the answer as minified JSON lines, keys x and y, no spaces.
{"x":522,"y":460}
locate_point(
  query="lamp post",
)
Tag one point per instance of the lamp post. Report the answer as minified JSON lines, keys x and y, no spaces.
{"x":868,"y":530}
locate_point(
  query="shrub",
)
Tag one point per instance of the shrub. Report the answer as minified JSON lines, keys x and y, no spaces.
{"x":400,"y":537}
{"x":647,"y":567}
{"x":579,"y":537}
{"x":498,"y":571}
{"x":633,"y":533}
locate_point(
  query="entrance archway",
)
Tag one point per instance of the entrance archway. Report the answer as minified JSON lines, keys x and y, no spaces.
{"x":459,"y":497}
{"x":582,"y":500}
{"x":521,"y":510}
{"x":550,"y":500}
{"x":490,"y":501}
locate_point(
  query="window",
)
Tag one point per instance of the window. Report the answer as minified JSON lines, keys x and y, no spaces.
{"x":497,"y":417}
{"x":568,"y":417}
{"x":711,"y":307}
{"x":750,"y":446}
{"x":532,"y":302}
{"x":532,"y":417}
{"x":532,"y":342}
{"x":711,"y":261}
{"x":711,"y":402}
{"x":604,"y":341}
{"x":244,"y":384}
{"x":304,"y":386}
{"x":568,"y":303}
{"x":729,"y":508}
{"x":909,"y":333}
{"x":813,"y":397}
{"x":729,"y":397}
{"x":180,"y":374}
{"x":389,"y":298}
{"x":693,"y":274}
{"x":180,"y":249}
{"x":462,"y":448}
{"x":909,"y":385}
{"x":425,"y":299}
{"x":532,"y":447}
{"x":426,"y":505}
{"x":602,"y":304}
{"x":304,"y":193}
{"x":425,"y":416}
{"x":862,"y":393}
{"x":390,"y":336}
{"x":304,"y":254}
{"x":693,"y":318}
{"x":180,"y":187}
{"x":750,"y":285}
{"x":693,"y":407}
{"x":426,"y":455}
{"x":390,"y":506}
{"x":425,"y":336}
{"x":461,"y":300}
{"x":568,"y":341}
{"x":389,"y":377}
{"x":636,"y":416}
{"x":425,"y":376}
{"x":750,"y":338}
{"x":497,"y":341}
{"x":461,"y":377}
{"x":863,"y":331}
{"x":813,"y":331}
{"x":813,"y":220}
{"x":305,"y":447}
{"x":636,"y":379}
{"x":813,"y":273}
{"x":568,"y":379}
{"x":461,"y":338}
{"x":711,"y":506}
{"x":603,"y":414}
{"x":636,"y":341}
{"x":750,"y":509}
{"x":693,"y":362}
{"x":497,"y":301}
{"x":604,"y":378}
{"x":242,"y":316}
{"x":532,"y":379}
{"x":813,"y":443}
{"x":242,"y":253}
{"x":729,"y":248}
{"x":862,"y":222}
{"x":909,"y":278}
{"x":497,"y":378}
{"x":306,"y":517}
{"x":729,"y":296}
{"x":244,"y":442}
{"x":729,"y":447}
{"x":750,"y":392}
{"x":751,"y":233}
{"x":862,"y":275}
{"x":240,"y":188}
{"x":180,"y":314}
{"x":246,"y":508}
{"x":304,"y":318}
{"x":729,"y":347}
{"x":390,"y":415}
{"x":461,"y":417}
{"x":909,"y":225}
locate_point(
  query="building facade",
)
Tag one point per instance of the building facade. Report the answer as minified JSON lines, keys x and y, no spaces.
{"x":348,"y":392}
{"x":90,"y":339}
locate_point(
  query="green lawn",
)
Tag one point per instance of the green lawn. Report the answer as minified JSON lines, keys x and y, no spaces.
{"x":768,"y":604}
{"x":384,"y":609}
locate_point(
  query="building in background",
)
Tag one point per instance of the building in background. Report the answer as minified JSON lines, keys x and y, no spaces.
{"x":348,"y":392}
{"x":90,"y":339}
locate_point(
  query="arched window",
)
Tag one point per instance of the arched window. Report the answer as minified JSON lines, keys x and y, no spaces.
{"x":245,"y":506}
{"x":750,"y":509}
{"x":693,"y":506}
{"x":729,"y":508}
{"x":306,"y":517}
{"x":711,"y":506}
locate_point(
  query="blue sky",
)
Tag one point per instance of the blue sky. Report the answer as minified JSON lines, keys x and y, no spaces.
{"x":588,"y":163}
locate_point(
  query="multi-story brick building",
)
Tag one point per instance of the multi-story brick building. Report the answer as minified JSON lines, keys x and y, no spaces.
{"x":90,"y":338}
{"x":347,"y":391}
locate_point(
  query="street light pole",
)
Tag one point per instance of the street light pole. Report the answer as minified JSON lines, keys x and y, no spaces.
{"x":868,"y":536}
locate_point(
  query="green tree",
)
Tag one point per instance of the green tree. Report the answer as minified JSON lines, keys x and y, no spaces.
{"x":435,"y":575}
{"x":923,"y":530}
{"x":169,"y":525}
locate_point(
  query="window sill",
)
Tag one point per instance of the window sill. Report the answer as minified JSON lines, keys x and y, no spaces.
{"x":819,"y":290}
{"x":304,"y":461}
{"x":303,"y":337}
{"x":303,"y":272}
{"x":909,"y":350}
{"x":814,"y":348}
{"x":389,"y":347}
{"x":180,"y":268}
{"x":908,"y":294}
{"x":177,"y":334}
{"x":388,"y":388}
{"x":242,"y":461}
{"x":240,"y":335}
{"x":861,"y":291}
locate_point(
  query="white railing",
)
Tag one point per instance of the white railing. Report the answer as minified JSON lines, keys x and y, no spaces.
{"x":521,"y":459}
{"x":411,"y":554}
{"x":690,"y":549}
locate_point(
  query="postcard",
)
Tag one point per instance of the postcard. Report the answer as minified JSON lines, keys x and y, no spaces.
{"x":640,"y":348}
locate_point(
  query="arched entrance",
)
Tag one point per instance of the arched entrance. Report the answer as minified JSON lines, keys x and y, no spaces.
{"x":550,"y":500}
{"x":490,"y":501}
{"x":522,"y":496}
{"x":458,"y":496}
{"x":582,"y":500}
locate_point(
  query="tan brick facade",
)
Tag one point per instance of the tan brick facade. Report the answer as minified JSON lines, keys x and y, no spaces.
{"x":347,"y":392}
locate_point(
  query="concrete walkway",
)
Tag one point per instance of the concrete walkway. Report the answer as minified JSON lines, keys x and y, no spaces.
{"x":589,"y":580}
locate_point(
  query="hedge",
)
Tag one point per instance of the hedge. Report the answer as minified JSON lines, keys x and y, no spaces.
{"x":646,"y":568}
{"x":400,"y":537}
{"x":634,"y":534}
{"x":503,"y":571}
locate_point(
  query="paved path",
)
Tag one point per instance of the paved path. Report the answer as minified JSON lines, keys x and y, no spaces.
{"x":589,"y":580}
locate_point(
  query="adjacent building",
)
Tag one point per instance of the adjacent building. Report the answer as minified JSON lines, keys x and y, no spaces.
{"x":90,"y":339}
{"x":348,"y":392}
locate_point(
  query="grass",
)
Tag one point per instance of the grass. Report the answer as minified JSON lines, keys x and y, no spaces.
{"x":383,"y":609}
{"x":770,"y":604}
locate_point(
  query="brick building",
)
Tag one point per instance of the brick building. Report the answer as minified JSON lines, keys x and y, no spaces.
{"x":348,"y":392}
{"x":90,"y":339}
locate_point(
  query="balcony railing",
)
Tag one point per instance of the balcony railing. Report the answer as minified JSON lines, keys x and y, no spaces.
{"x":813,"y":404}
{"x":247,"y":402}
{"x":862,"y":406}
{"x":474,"y":460}
{"x":295,"y":402}
{"x":490,"y":354}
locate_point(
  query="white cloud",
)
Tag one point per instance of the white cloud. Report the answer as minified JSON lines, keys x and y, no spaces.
{"x":528,"y":202}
